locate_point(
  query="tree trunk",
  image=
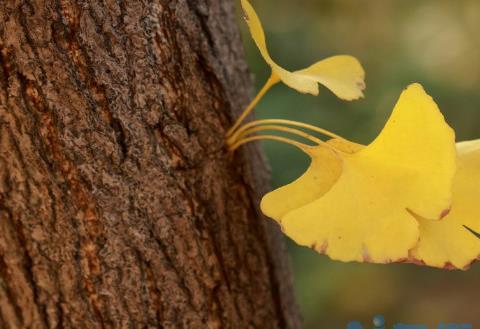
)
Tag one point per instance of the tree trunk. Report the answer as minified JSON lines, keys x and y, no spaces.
{"x":120,"y":206}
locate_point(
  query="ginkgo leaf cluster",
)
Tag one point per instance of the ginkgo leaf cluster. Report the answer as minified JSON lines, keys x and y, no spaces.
{"x":409,"y":196}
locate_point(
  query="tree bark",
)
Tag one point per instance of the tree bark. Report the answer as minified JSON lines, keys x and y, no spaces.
{"x":120,"y":206}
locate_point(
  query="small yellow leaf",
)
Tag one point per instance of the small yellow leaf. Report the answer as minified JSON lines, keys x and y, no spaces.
{"x":360,"y":214}
{"x":447,"y":243}
{"x":343,"y":74}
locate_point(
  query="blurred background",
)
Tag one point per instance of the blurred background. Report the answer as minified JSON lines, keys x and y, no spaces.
{"x":433,"y":42}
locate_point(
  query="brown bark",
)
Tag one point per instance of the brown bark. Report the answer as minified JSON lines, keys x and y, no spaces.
{"x":119,"y":204}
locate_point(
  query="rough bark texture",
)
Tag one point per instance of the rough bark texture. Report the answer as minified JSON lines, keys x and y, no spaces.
{"x":119,"y":205}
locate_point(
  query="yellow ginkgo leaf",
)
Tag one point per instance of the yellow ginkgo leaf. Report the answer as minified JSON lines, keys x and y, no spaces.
{"x":448,"y":243}
{"x":343,"y":74}
{"x":364,"y":214}
{"x":324,"y":170}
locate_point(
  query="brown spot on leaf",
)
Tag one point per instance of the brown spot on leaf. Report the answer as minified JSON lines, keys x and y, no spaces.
{"x":445,"y":212}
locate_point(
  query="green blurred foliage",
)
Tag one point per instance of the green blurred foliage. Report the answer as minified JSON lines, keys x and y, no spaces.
{"x":433,"y":42}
